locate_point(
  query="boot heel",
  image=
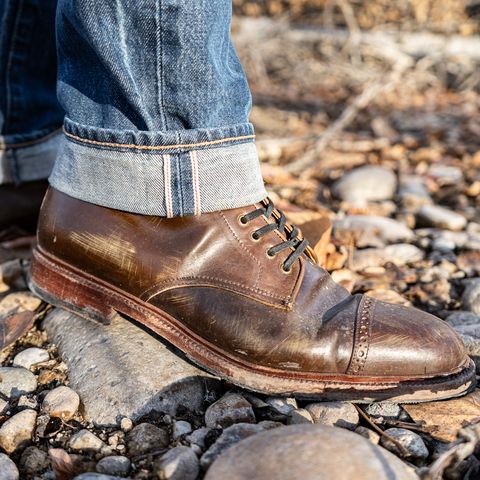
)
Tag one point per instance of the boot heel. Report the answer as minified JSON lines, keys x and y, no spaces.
{"x":64,"y":289}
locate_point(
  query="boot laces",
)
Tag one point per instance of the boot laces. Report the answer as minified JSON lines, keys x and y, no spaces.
{"x":293,"y":240}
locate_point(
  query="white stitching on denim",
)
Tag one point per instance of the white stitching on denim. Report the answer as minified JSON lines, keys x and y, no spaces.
{"x":195,"y":183}
{"x":167,"y":172}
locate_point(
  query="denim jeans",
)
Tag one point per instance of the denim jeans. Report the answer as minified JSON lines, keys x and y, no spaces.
{"x":156,"y":104}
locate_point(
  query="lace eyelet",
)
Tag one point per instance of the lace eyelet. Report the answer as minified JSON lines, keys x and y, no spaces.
{"x":241,"y":220}
{"x":268,"y":254}
{"x":284,"y":270}
{"x":254,"y":236}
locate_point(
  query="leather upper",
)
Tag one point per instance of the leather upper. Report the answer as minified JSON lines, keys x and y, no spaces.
{"x":217,"y":280}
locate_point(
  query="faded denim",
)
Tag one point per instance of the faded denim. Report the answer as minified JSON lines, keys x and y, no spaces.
{"x":156,"y":105}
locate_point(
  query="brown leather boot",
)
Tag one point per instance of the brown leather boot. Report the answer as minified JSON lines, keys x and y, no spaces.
{"x":238,"y":292}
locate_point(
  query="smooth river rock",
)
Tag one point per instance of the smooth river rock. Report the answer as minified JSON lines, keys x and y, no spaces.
{"x":436,"y":216}
{"x":308,"y":452}
{"x":120,"y":370}
{"x":364,"y":184}
{"x":373,"y":231}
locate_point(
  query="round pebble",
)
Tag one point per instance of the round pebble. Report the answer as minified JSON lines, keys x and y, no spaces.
{"x":85,"y":440}
{"x":411,"y":441}
{"x":298,"y":416}
{"x":18,"y":430}
{"x":282,"y":405}
{"x":364,"y":184}
{"x":179,"y":463}
{"x":336,"y":414}
{"x":146,"y":437}
{"x":61,"y":402}
{"x":33,"y":460}
{"x":181,"y":428}
{"x":30,"y":357}
{"x":8,"y":470}
{"x":114,"y":465}
{"x":126,"y":424}
{"x":16,"y":381}
{"x":230,"y":409}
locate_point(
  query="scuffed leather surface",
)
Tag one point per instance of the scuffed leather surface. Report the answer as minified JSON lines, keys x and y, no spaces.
{"x":209,"y":274}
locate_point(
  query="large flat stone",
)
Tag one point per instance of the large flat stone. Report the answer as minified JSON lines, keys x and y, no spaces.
{"x":308,"y":452}
{"x":120,"y":370}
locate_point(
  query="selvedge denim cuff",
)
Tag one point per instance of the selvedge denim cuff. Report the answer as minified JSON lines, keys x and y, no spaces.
{"x":25,"y":158}
{"x":173,"y":173}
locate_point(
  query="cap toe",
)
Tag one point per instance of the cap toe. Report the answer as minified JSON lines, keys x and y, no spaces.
{"x":407,"y":342}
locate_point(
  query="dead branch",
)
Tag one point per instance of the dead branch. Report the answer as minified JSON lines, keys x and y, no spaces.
{"x":348,"y":115}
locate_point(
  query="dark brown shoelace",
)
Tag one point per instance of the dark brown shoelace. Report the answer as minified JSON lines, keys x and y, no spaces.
{"x":279,"y":222}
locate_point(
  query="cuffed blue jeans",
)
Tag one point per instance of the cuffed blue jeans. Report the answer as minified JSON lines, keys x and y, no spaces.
{"x":153,"y":99}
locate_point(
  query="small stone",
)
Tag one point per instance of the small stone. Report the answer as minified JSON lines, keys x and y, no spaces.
{"x":27,"y":402}
{"x":364,"y":184}
{"x":126,"y":424}
{"x":232,"y":435}
{"x":17,"y":431}
{"x":30,"y":357}
{"x":146,"y":437}
{"x":19,"y":301}
{"x":336,"y":414}
{"x":8,"y":470}
{"x":298,"y":416}
{"x":374,"y":437}
{"x":463,"y":319}
{"x":282,"y":405}
{"x":181,"y":428}
{"x":3,"y":406}
{"x":115,"y":439}
{"x":179,"y":463}
{"x":445,"y":174}
{"x":114,"y":465}
{"x":411,"y":441}
{"x":16,"y":381}
{"x":471,"y":297}
{"x":33,"y":460}
{"x":436,"y":216}
{"x":399,"y":254}
{"x":61,"y":402}
{"x":413,"y":192}
{"x":85,"y":440}
{"x":308,"y":452}
{"x":386,"y":410}
{"x":231,"y":408}
{"x":372,"y":231}
{"x":198,"y":437}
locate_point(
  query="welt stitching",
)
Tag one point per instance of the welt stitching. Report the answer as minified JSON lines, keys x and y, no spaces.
{"x":156,"y":147}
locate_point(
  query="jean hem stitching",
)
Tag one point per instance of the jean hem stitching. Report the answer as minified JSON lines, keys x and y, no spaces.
{"x":158,"y":147}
